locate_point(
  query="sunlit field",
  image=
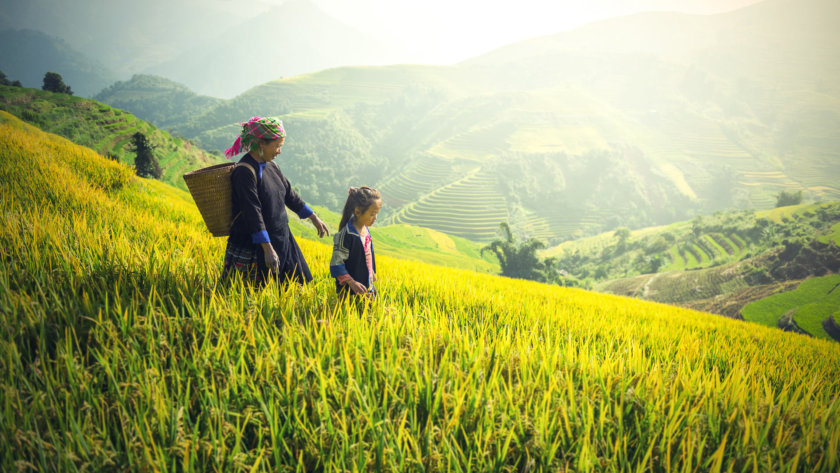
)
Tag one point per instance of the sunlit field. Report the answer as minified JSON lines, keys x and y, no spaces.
{"x":121,"y":351}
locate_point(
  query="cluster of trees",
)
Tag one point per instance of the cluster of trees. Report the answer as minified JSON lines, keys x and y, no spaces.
{"x":519,"y":259}
{"x":784,"y":198}
{"x":5,"y":81}
{"x":53,"y":82}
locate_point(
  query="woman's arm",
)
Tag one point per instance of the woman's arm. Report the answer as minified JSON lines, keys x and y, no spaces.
{"x":293,"y":201}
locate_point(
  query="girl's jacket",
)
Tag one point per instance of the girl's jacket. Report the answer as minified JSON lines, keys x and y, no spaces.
{"x":348,"y":257}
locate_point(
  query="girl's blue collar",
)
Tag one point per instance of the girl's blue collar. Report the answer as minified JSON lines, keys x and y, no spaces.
{"x":352,"y":228}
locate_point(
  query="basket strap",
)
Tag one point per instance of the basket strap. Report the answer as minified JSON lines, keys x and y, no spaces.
{"x":250,"y":168}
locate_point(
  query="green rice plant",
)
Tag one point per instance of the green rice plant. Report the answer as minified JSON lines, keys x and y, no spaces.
{"x":810,"y":303}
{"x":122,"y":350}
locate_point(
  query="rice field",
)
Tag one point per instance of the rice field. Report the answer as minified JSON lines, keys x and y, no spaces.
{"x":471,"y":208}
{"x":423,"y":177}
{"x":814,"y":301}
{"x":121,"y":351}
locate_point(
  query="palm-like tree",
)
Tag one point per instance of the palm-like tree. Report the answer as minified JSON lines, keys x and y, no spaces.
{"x":518,"y":260}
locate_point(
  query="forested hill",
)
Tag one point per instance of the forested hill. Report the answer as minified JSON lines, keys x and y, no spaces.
{"x":163,"y":102}
{"x":620,"y":123}
{"x":104,"y":129}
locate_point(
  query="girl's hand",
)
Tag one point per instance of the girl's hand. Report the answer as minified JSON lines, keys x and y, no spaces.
{"x":319,"y":225}
{"x":357,"y":287}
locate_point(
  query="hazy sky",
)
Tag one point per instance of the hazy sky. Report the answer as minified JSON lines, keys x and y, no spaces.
{"x":447,"y":31}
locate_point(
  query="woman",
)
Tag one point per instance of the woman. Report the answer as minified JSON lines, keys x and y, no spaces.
{"x":260,"y":242}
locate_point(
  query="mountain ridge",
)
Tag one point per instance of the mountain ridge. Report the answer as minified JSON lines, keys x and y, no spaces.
{"x":260,"y":49}
{"x":84,"y":75}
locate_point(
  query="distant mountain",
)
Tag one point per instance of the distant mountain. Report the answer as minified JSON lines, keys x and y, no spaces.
{"x":129,"y":36}
{"x":161,"y":101}
{"x":215,"y":47}
{"x":293,"y":38}
{"x":641,"y":120}
{"x":27,"y":55}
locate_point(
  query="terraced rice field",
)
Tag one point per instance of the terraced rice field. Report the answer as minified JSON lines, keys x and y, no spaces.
{"x":811,"y":303}
{"x":477,"y":144}
{"x":819,"y":174}
{"x":471,"y":208}
{"x":564,"y":221}
{"x":422,"y":177}
{"x":710,"y":249}
{"x":696,"y":139}
{"x":763,"y":187}
{"x":678,"y":286}
{"x":534,"y":226}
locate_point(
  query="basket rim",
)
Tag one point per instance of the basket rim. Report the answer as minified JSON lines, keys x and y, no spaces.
{"x":215,"y":167}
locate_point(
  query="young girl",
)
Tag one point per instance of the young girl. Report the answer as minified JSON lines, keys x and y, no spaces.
{"x":353,"y":264}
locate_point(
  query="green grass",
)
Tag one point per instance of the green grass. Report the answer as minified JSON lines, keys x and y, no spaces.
{"x":832,"y":235}
{"x":811,"y":303}
{"x":120,"y":350}
{"x":677,"y":262}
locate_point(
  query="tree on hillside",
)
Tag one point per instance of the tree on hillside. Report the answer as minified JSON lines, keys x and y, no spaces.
{"x":518,"y":260}
{"x":53,"y":82}
{"x":145,"y":163}
{"x":623,"y":234}
{"x":5,"y":81}
{"x":784,"y":198}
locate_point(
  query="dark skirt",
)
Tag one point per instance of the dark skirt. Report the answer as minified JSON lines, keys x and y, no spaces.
{"x":247,"y":260}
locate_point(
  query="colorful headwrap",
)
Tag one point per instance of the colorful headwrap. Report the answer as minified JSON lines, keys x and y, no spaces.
{"x":256,"y":128}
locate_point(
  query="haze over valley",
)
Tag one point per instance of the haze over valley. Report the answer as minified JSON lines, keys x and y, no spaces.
{"x":637,"y":120}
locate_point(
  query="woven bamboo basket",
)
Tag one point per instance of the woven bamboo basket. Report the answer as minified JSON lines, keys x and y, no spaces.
{"x":210,"y":188}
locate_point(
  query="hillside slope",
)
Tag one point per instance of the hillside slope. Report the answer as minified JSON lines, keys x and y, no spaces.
{"x":163,"y":102}
{"x":104,"y":129}
{"x":122,"y":351}
{"x":716,"y":263}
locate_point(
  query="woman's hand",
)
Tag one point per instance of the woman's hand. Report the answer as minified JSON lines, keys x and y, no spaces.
{"x":272,"y":261}
{"x":319,"y":225}
{"x":357,"y":287}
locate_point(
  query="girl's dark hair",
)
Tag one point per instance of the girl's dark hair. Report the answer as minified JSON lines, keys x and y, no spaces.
{"x":358,"y":198}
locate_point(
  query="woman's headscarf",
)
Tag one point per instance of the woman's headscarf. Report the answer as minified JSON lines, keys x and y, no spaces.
{"x":256,"y":128}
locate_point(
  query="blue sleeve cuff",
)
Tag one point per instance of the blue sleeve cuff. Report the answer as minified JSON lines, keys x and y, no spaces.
{"x":305,"y":212}
{"x":338,"y":270}
{"x":260,"y":237}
